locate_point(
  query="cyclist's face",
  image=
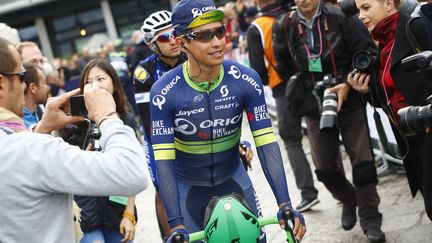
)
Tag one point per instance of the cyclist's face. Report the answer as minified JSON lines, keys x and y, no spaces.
{"x":166,"y":43}
{"x":208,"y":52}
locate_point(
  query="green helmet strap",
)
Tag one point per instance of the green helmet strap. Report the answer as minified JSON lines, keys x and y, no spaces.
{"x":230,"y":219}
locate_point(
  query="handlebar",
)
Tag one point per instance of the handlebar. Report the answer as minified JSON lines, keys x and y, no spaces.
{"x":263,"y":221}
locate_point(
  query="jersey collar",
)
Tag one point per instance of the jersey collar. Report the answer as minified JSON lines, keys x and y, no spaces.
{"x":201,"y":88}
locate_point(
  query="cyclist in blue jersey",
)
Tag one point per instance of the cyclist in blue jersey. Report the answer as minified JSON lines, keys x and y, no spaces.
{"x":158,"y":35}
{"x":196,"y":113}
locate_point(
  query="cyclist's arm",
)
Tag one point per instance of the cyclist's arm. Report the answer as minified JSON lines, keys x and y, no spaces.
{"x":267,"y":148}
{"x":162,"y":138}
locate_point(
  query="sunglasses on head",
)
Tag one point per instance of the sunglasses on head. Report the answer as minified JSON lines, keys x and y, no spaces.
{"x":164,"y":36}
{"x":206,"y":35}
{"x":21,"y":75}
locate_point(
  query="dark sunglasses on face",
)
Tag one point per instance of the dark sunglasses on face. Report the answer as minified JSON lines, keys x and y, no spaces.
{"x":207,"y":35}
{"x":21,"y":75}
{"x":164,"y":36}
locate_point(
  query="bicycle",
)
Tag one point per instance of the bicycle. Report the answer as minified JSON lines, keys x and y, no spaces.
{"x":229,"y":219}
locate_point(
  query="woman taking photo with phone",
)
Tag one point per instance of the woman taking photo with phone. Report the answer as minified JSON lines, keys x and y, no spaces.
{"x":391,"y":87}
{"x":107,"y":219}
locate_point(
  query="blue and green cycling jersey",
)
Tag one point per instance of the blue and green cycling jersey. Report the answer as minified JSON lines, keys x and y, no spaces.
{"x":196,"y":130}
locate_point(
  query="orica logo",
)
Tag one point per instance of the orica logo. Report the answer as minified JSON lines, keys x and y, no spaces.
{"x":184,"y":126}
{"x":224,"y":91}
{"x":158,"y":101}
{"x":196,"y":12}
{"x":235,"y":72}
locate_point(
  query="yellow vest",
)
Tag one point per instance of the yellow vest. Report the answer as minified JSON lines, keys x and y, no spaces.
{"x":264,"y":25}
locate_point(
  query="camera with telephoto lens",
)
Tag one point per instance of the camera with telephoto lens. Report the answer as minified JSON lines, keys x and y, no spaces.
{"x":418,"y":62}
{"x":415,"y":119}
{"x":329,"y":117}
{"x":363,"y":62}
{"x":327,"y":82}
{"x":329,"y":102}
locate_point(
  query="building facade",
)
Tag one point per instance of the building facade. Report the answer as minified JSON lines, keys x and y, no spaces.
{"x":64,"y":27}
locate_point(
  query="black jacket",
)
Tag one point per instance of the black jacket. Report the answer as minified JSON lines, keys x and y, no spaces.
{"x":345,"y":36}
{"x":413,"y":86}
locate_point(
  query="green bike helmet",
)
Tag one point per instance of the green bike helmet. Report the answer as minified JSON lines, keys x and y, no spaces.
{"x":229,"y":219}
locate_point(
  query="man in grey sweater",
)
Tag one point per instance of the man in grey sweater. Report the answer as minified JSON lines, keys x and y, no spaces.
{"x":40,"y":173}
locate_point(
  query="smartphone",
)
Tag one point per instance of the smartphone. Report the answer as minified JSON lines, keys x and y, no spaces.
{"x":77,"y":105}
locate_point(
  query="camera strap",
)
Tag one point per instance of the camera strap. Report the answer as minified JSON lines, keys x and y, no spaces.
{"x":397,"y":132}
{"x":412,"y":40}
{"x":403,"y":148}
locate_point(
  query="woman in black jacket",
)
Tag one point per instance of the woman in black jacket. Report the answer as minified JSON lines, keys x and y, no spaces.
{"x":391,"y":87}
{"x":107,"y":219}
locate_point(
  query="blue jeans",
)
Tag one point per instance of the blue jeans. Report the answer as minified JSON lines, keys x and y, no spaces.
{"x":103,"y":236}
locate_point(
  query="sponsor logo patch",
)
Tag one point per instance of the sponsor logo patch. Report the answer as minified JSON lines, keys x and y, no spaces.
{"x":141,"y":74}
{"x":158,"y":100}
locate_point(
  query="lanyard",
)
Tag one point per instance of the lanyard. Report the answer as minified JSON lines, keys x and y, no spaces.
{"x":384,"y":73}
{"x":321,"y":48}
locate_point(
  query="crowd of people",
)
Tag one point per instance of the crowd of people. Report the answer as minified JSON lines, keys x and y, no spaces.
{"x":169,"y":106}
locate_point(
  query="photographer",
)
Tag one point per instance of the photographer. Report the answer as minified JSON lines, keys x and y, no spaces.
{"x":39,"y":173}
{"x":259,"y":38}
{"x":391,"y":87}
{"x":319,"y":42}
{"x":107,"y":219}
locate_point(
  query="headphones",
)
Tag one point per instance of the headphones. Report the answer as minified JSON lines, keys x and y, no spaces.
{"x":183,"y":46}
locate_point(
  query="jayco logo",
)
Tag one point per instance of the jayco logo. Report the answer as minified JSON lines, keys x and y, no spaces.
{"x":224,"y":91}
{"x":197,"y":12}
{"x":235,"y":72}
{"x":158,"y":101}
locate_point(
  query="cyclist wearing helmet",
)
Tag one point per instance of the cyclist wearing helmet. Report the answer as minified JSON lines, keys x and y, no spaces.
{"x":196,"y":113}
{"x":158,"y":35}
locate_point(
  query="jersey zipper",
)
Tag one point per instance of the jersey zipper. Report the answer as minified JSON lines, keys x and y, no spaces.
{"x":212,"y":180}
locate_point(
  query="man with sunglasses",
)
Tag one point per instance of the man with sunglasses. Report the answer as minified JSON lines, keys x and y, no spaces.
{"x":38,"y":183}
{"x":196,"y":113}
{"x":159,"y":36}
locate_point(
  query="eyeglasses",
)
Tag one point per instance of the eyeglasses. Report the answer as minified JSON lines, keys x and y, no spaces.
{"x":164,"y":36}
{"x":206,"y":35}
{"x":21,"y":75}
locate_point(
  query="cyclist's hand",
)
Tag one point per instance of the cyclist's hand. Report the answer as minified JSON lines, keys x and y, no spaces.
{"x":286,"y":215}
{"x":178,"y":235}
{"x":246,"y":154}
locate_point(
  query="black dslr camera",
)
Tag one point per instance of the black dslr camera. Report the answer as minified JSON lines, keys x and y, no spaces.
{"x":418,"y":62}
{"x":84,"y":133}
{"x":415,"y":119}
{"x":329,"y":102}
{"x":327,"y":82}
{"x":363,"y":62}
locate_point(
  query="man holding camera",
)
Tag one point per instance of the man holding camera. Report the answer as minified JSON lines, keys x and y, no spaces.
{"x":259,"y":38}
{"x":319,"y":42}
{"x":38,"y":184}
